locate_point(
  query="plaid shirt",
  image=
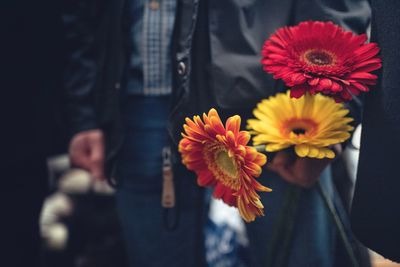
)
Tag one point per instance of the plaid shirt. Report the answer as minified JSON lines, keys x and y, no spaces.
{"x":152,"y":24}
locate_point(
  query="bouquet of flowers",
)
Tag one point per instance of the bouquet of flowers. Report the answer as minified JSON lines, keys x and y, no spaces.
{"x":322,"y":65}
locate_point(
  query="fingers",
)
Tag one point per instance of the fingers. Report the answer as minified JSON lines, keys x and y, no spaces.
{"x":79,"y":153}
{"x":303,"y":172}
{"x":308,"y":170}
{"x":338,"y":148}
{"x":97,"y":157}
{"x":281,"y":159}
{"x":86,"y":151}
{"x":282,"y":164}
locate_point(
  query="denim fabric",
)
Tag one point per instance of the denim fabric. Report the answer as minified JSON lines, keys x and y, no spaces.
{"x":148,"y":242}
{"x":315,"y":235}
{"x":138,"y":194}
{"x":144,"y":120}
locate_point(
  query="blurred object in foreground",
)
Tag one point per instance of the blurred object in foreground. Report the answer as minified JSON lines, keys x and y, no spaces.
{"x":79,"y":224}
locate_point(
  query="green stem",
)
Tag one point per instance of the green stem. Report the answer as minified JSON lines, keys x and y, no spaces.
{"x":283,"y":230}
{"x":260,"y":148}
{"x":339,"y":225}
{"x":280,"y":245}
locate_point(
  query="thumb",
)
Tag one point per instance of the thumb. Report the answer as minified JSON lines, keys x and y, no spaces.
{"x":280,"y":161}
{"x":79,"y":153}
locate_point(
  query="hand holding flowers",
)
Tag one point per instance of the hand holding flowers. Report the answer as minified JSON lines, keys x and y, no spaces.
{"x":303,"y":172}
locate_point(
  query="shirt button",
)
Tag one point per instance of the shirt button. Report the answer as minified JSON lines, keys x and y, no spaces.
{"x":181,"y":68}
{"x":154,"y":5}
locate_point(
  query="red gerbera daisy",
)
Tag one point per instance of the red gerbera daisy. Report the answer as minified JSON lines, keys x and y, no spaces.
{"x":321,"y":57}
{"x":220,"y":157}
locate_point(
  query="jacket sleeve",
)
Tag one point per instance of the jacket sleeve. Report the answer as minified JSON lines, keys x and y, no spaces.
{"x":79,"y":18}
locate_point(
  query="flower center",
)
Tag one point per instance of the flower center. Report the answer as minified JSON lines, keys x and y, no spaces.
{"x":319,"y":57}
{"x":223,"y":167}
{"x":226,"y":163}
{"x":299,"y":127}
{"x":298,"y":131}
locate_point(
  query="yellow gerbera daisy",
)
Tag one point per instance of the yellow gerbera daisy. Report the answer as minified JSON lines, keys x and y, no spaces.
{"x":220,"y":157}
{"x":311,"y":124}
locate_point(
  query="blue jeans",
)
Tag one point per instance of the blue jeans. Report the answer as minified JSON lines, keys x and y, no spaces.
{"x":148,"y":242}
{"x":314,"y":234}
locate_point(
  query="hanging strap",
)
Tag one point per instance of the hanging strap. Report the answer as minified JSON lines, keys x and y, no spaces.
{"x":168,"y":196}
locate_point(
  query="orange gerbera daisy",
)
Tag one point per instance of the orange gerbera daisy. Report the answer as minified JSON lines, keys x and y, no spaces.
{"x":220,"y":157}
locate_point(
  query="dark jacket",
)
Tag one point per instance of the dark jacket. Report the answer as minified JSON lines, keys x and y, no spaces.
{"x":235,"y":32}
{"x":375,"y":212}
